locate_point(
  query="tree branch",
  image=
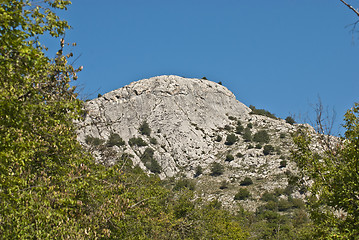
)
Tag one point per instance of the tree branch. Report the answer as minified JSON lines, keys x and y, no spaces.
{"x":351,"y":7}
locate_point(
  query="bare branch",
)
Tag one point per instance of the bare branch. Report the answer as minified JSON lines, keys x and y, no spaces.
{"x":351,"y":7}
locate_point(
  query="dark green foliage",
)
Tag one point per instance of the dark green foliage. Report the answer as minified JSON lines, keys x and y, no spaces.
{"x":153,"y":141}
{"x":283,"y":164}
{"x":239,"y":155}
{"x":227,"y":127}
{"x":231,"y":139}
{"x":266,"y":196}
{"x":247,"y":135}
{"x":93,"y":141}
{"x":239,"y":129}
{"x":198,"y":170}
{"x":242,"y":194}
{"x":268,"y":149}
{"x":249,"y":125}
{"x":137,"y":141}
{"x":284,"y":205}
{"x":216,"y":169}
{"x":204,"y":78}
{"x":261,"y":136}
{"x":149,"y":161}
{"x":218,"y":138}
{"x":261,"y":112}
{"x":220,"y":83}
{"x":115,"y":140}
{"x":258,"y":146}
{"x":229,"y":157}
{"x":145,"y":129}
{"x":246,"y":181}
{"x":250,"y":146}
{"x":282,"y":135}
{"x":232,"y":118}
{"x":289,"y":120}
{"x":184,"y":183}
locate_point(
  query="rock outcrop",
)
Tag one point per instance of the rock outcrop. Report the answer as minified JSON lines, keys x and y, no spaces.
{"x":190,"y":120}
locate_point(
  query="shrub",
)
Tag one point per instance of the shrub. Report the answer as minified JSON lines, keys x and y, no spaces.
{"x":239,"y":129}
{"x":289,"y":120}
{"x":247,"y":181}
{"x":99,"y":95}
{"x":204,"y":78}
{"x":271,"y":205}
{"x":258,"y":146}
{"x":115,"y":140}
{"x":282,"y":135}
{"x":220,"y":83}
{"x":199,"y":171}
{"x":250,"y":146}
{"x":239,"y":155}
{"x":261,"y":136}
{"x":232,"y":118}
{"x":137,"y":141}
{"x":266,"y":196}
{"x":284,"y":205}
{"x":145,"y":129}
{"x":283,"y":164}
{"x":249,"y":125}
{"x":242,"y":194}
{"x":261,"y":112}
{"x":229,"y":158}
{"x":184,"y":183}
{"x":149,"y":161}
{"x":227,"y":127}
{"x":247,"y":135}
{"x":93,"y":141}
{"x":268,"y":149}
{"x":153,"y":140}
{"x":217,"y":169}
{"x":218,"y":139}
{"x":231,"y":139}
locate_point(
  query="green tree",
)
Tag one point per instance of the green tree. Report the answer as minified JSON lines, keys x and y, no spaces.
{"x":334,"y":205}
{"x":41,"y":162}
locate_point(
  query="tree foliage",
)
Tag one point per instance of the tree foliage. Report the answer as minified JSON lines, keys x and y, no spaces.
{"x":335,"y":203}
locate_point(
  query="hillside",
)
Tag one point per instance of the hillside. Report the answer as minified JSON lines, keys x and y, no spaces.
{"x":193,"y":128}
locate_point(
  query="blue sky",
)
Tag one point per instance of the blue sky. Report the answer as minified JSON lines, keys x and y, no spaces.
{"x":277,"y":55}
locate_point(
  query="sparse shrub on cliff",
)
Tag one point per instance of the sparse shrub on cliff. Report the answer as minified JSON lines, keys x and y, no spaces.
{"x":149,"y":161}
{"x":283,"y":164}
{"x":229,"y":158}
{"x":247,"y":135}
{"x":184,"y":183}
{"x":231,"y":139}
{"x":153,"y":140}
{"x":268,"y":149}
{"x":115,"y":140}
{"x":289,"y":120}
{"x":145,"y":129}
{"x":198,"y":170}
{"x":261,"y":136}
{"x":239,"y":128}
{"x":93,"y":141}
{"x":242,"y":194}
{"x":137,"y":141}
{"x":217,"y":169}
{"x":246,"y":181}
{"x":261,"y":112}
{"x":218,"y":138}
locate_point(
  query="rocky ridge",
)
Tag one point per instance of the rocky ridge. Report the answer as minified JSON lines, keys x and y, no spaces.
{"x":190,"y":120}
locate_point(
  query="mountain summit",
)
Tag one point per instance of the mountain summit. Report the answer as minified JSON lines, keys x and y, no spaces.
{"x":192,"y":128}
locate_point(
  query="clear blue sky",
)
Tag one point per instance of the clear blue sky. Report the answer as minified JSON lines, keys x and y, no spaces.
{"x":278,"y":55}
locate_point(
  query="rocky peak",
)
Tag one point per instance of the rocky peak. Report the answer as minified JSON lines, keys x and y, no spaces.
{"x":190,"y":123}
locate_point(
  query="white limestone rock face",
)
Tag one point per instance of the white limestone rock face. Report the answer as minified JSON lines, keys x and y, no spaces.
{"x":184,"y":115}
